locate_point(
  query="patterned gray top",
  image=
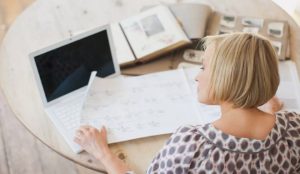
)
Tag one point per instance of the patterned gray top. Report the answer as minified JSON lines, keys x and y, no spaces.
{"x":205,"y":149}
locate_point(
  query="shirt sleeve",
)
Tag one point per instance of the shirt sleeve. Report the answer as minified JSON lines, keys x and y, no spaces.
{"x":178,"y":152}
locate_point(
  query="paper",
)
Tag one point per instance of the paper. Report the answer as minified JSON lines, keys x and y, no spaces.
{"x":187,"y":65}
{"x":193,"y":22}
{"x":276,"y":29}
{"x":140,"y":106}
{"x":288,"y":90}
{"x":252,"y":22}
{"x":122,"y":49}
{"x":277,"y":46}
{"x":251,"y":30}
{"x":228,"y":21}
{"x":225,"y":31}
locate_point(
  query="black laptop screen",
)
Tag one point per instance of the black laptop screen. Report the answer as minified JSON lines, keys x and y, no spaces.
{"x":68,"y":68}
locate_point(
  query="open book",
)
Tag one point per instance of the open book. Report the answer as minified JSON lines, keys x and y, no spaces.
{"x":148,"y":35}
{"x":158,"y":103}
{"x":198,"y":21}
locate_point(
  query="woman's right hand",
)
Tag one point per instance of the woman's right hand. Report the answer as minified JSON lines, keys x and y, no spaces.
{"x":93,"y":141}
{"x":272,"y":106}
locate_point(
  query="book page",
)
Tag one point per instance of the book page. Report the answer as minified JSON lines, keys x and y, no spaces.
{"x":193,"y":22}
{"x":123,"y":52}
{"x":140,"y":106}
{"x":193,"y":18}
{"x":152,"y":30}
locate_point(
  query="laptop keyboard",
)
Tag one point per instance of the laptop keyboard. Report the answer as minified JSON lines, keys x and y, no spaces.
{"x":66,"y":117}
{"x":69,"y":115}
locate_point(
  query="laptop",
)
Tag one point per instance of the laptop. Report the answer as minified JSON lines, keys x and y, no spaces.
{"x":63,"y":73}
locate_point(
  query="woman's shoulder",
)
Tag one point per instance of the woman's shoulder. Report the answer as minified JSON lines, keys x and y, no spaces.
{"x":185,"y":134}
{"x":178,"y":151}
{"x":188,"y":129}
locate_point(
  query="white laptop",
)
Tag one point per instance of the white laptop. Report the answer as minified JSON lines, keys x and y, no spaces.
{"x":63,"y":72}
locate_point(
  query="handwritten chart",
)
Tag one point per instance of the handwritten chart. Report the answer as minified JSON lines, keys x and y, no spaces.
{"x":140,"y":106}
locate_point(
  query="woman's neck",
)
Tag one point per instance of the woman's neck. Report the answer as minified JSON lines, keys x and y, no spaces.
{"x":244,"y":122}
{"x":228,"y":111}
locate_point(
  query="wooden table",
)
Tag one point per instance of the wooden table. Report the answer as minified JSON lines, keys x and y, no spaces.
{"x":46,"y":22}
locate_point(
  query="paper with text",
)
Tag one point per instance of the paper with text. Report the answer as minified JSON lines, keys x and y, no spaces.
{"x":142,"y":106}
{"x":289,"y":87}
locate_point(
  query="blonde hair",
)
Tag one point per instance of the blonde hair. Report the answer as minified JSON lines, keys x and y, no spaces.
{"x":244,"y":69}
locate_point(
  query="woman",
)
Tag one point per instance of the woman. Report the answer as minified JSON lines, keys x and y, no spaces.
{"x":239,"y":73}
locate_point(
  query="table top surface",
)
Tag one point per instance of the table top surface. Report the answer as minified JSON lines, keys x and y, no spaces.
{"x":47,"y":22}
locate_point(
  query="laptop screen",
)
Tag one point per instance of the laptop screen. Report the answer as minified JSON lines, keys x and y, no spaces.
{"x":68,"y":68}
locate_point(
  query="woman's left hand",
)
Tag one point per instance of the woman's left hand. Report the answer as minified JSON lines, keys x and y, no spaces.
{"x":93,"y":141}
{"x":273,"y":105}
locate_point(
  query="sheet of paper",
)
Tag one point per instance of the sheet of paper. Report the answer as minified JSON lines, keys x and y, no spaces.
{"x":289,"y":88}
{"x":276,"y":29}
{"x":253,"y":22}
{"x":122,"y":48}
{"x":251,"y":30}
{"x":277,"y":46}
{"x":228,"y":21}
{"x":140,"y":106}
{"x":193,"y":22}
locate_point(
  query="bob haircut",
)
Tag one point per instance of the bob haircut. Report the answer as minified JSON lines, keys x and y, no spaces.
{"x":244,"y":69}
